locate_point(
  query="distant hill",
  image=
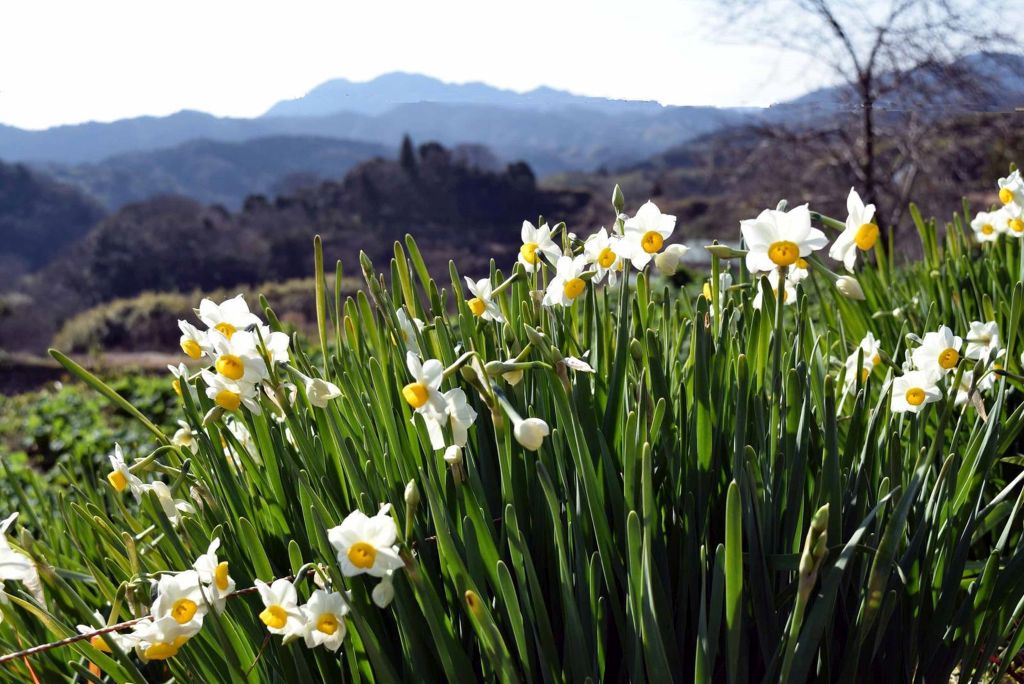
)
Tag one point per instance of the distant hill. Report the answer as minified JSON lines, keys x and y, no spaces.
{"x":217,"y":172}
{"x":550,"y":129}
{"x":455,"y":208}
{"x":38,"y":217}
{"x":392,"y":90}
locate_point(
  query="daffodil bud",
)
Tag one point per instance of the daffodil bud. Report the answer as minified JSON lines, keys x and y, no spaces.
{"x":725,"y":251}
{"x":412,"y":494}
{"x":320,"y":391}
{"x":383,"y":593}
{"x":453,"y":455}
{"x":530,"y":433}
{"x":850,"y":288}
{"x":618,"y":201}
{"x":669,"y":261}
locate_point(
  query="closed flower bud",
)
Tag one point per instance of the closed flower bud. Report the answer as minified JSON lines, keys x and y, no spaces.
{"x":530,"y":433}
{"x":383,"y":593}
{"x":618,"y":201}
{"x":669,"y":262}
{"x":412,"y":494}
{"x":453,"y":455}
{"x":850,"y":288}
{"x":320,"y":392}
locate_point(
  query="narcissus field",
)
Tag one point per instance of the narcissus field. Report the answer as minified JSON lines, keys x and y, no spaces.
{"x":808,"y":467}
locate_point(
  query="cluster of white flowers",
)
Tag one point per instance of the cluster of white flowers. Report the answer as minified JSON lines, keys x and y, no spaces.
{"x":176,"y":615}
{"x":936,"y":358}
{"x":365,"y":545}
{"x":1008,"y":219}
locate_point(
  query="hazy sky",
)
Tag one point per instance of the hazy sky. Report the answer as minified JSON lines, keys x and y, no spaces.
{"x":67,"y":61}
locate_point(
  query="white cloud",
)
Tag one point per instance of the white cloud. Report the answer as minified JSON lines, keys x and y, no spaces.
{"x":66,"y":61}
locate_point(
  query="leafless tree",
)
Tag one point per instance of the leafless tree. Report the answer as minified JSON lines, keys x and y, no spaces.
{"x":902,"y":65}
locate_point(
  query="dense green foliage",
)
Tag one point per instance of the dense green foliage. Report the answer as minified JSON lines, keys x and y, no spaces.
{"x":710,"y":504}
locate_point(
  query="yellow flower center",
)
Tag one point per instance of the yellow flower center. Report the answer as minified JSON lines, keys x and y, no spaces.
{"x":162,"y":650}
{"x":801,"y":263}
{"x":987,"y":229}
{"x":1017,"y":225}
{"x":652,"y":241}
{"x":864,"y":373}
{"x":230,"y":366}
{"x":1005,"y":195}
{"x":477,"y":306}
{"x":529,"y":253}
{"x":784,"y":253}
{"x":327,"y":623}
{"x":948,"y":358}
{"x":117,"y":480}
{"x":362,"y":555}
{"x":225,"y":328}
{"x":274,"y":617}
{"x":183,"y":610}
{"x":220,"y":575}
{"x":415,"y":393}
{"x":915,"y":396}
{"x":99,"y":644}
{"x":866,"y":237}
{"x":176,"y":384}
{"x":707,"y":291}
{"x":606,"y":258}
{"x":228,"y":400}
{"x":876,"y":359}
{"x":574,"y":287}
{"x":192,"y":348}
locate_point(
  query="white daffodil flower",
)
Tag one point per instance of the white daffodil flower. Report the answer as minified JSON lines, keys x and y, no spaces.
{"x":670,"y":261}
{"x":963,"y":390}
{"x":324,"y":615}
{"x":536,"y":242}
{"x":180,"y":597}
{"x":530,"y":433}
{"x":481,"y":304}
{"x":645,"y":234}
{"x":240,"y":432}
{"x":1011,"y":189}
{"x":185,"y":438}
{"x":861,"y":233}
{"x":160,"y":639}
{"x":600,"y":249}
{"x":869,"y":352}
{"x":193,"y":340}
{"x":229,"y":394}
{"x":567,"y":284}
{"x":939,"y":352}
{"x":237,"y":358}
{"x":423,"y":393}
{"x":983,"y":341}
{"x":275,"y":343}
{"x":125,"y":642}
{"x":173,"y":508}
{"x":789,"y":294}
{"x":215,"y":577}
{"x":912,"y":391}
{"x":281,"y":613}
{"x":780,"y":238}
{"x":458,"y":414}
{"x":16,"y":566}
{"x":228,"y":317}
{"x":408,"y":328}
{"x":987,"y":225}
{"x":181,"y":380}
{"x":365,"y":544}
{"x":120,"y":477}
